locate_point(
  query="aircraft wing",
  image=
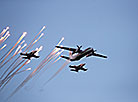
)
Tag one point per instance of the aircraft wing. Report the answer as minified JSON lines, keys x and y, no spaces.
{"x":23,"y":54}
{"x":66,"y":48}
{"x":35,"y":56}
{"x":81,"y":65}
{"x":26,"y":58}
{"x":72,"y":66}
{"x":33,"y":52}
{"x":99,"y":55}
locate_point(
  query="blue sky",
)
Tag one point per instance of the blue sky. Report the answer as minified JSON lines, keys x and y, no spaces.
{"x":110,"y":26}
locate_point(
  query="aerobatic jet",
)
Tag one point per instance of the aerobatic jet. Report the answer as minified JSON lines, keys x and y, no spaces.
{"x":77,"y":68}
{"x":29,"y":55}
{"x":77,"y":54}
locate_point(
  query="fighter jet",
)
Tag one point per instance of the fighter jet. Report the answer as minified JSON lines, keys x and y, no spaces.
{"x":77,"y":68}
{"x":78,"y":54}
{"x":29,"y":55}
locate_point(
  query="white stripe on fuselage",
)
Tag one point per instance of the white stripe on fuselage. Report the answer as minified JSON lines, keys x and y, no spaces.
{"x":75,"y":55}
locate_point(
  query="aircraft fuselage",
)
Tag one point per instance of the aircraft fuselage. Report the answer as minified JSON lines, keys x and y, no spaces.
{"x":81,"y":55}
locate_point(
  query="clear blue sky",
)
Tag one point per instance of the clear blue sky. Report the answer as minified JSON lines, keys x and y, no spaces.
{"x":110,"y":26}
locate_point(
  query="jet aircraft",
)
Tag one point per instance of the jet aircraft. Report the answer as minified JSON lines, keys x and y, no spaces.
{"x":29,"y":55}
{"x":77,"y":54}
{"x":77,"y":68}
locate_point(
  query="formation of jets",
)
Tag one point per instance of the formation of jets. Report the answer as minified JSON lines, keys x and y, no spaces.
{"x":77,"y":54}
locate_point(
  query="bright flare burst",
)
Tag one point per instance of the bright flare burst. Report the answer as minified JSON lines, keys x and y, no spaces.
{"x":18,"y":64}
{"x":44,"y":62}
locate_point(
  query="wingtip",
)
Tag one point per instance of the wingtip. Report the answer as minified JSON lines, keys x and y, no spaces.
{"x":105,"y":57}
{"x":57,"y":46}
